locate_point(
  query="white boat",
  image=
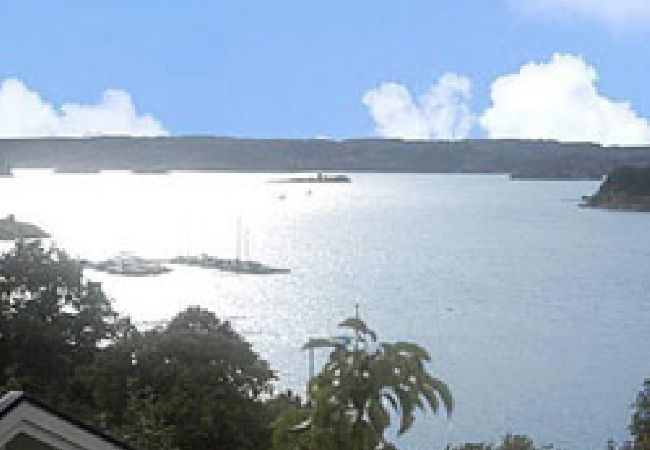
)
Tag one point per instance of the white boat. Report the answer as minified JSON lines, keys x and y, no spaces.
{"x":130,"y":265}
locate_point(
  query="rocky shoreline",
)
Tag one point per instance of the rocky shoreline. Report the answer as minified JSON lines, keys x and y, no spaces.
{"x":624,"y":189}
{"x":622,"y":203}
{"x":11,"y":229}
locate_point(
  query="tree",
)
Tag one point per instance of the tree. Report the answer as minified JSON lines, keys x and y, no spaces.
{"x":203,"y":380}
{"x":352,"y":394}
{"x":52,"y":323}
{"x":473,"y":446}
{"x":194,"y":383}
{"x":509,"y":442}
{"x":144,"y":426}
{"x":520,"y":442}
{"x":640,"y":427}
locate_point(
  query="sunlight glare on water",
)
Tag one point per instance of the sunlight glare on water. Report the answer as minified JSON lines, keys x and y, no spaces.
{"x":535,"y":310}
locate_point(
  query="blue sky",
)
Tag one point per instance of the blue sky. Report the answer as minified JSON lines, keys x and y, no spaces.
{"x":301,"y":68}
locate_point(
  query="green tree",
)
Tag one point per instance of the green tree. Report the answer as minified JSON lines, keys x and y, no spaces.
{"x":144,"y":425}
{"x":194,"y":383}
{"x":354,"y":393}
{"x":207,"y":382}
{"x":473,"y":446}
{"x":52,"y":324}
{"x":640,"y":427}
{"x":520,"y":442}
{"x":509,"y":442}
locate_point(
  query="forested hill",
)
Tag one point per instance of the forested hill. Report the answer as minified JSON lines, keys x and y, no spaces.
{"x":521,"y":158}
{"x":625,"y":188}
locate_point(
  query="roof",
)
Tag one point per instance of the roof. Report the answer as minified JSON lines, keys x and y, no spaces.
{"x":13,"y":399}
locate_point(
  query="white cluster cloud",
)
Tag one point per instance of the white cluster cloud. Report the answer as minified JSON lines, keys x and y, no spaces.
{"x":443,"y":112}
{"x":23,"y":113}
{"x":559,"y":100}
{"x":614,"y":12}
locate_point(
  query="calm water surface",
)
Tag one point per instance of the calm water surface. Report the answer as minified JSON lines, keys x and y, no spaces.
{"x":536,"y":311}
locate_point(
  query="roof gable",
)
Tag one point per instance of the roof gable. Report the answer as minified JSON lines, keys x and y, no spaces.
{"x":21,"y":414}
{"x":23,"y":441}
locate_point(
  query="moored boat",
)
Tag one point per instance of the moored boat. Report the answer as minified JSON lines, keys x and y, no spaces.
{"x":233,"y":265}
{"x":130,"y":266}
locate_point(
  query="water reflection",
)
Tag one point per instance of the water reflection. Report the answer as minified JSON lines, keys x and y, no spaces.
{"x":535,"y":310}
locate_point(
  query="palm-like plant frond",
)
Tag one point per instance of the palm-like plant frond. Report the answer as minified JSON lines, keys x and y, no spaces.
{"x":321,"y":343}
{"x":361,"y":385}
{"x":358,"y":326}
{"x":386,"y":378}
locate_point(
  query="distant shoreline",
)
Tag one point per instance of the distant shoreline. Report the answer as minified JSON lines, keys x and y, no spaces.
{"x":523,"y":159}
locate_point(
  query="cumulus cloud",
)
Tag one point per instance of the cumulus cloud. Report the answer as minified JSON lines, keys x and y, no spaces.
{"x":559,"y":100}
{"x":23,"y":113}
{"x":442,"y":112}
{"x":616,"y":12}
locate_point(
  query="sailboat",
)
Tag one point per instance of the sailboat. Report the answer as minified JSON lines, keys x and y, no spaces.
{"x":241,"y":265}
{"x":234,"y":265}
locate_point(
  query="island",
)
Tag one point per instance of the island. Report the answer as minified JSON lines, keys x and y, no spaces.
{"x":625,"y":188}
{"x":318,"y":178}
{"x":11,"y":229}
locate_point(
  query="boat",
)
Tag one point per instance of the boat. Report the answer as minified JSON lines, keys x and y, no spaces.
{"x":201,"y":260}
{"x":233,"y":265}
{"x":318,"y":178}
{"x":247,"y":266}
{"x":129,"y":265}
{"x":237,"y":265}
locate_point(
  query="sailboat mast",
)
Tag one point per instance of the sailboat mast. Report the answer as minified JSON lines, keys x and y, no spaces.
{"x":238,"y":240}
{"x":246,"y":244}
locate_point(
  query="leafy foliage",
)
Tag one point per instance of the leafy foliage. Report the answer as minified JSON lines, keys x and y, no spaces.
{"x":509,"y":442}
{"x":51,"y":324}
{"x":640,"y":427}
{"x":144,"y":426}
{"x":359,"y":386}
{"x":205,"y":379}
{"x":194,"y":383}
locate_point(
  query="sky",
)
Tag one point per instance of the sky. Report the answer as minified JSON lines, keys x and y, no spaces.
{"x":571,"y":70}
